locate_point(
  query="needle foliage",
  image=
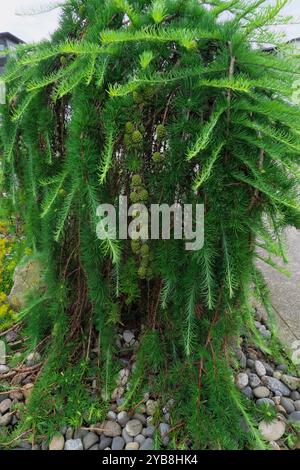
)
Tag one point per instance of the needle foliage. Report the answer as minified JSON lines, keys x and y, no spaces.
{"x":162,"y":101}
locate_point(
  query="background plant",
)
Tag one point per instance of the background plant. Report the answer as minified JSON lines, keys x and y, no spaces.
{"x":163,"y":102}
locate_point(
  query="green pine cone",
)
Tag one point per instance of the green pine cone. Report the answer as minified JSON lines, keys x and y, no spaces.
{"x":142,"y":272}
{"x":137,"y":137}
{"x":135,"y":246}
{"x":145,"y":250}
{"x":136,"y":180}
{"x":144,"y":195}
{"x":161,"y":131}
{"x":129,"y":127}
{"x":134,"y":197}
{"x":157,"y":157}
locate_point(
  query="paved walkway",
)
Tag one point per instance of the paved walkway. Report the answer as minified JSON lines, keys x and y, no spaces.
{"x":286,"y":291}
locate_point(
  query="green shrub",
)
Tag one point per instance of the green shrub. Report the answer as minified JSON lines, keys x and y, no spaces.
{"x":86,"y":113}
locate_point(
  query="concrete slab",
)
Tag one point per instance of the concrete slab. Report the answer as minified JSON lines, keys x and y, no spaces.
{"x":285,"y":292}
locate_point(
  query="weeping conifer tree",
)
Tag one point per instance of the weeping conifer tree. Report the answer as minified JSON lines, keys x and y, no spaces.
{"x":163,"y":101}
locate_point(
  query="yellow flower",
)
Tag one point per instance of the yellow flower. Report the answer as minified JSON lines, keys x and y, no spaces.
{"x":3,"y":297}
{"x":3,"y":310}
{"x":11,"y":266}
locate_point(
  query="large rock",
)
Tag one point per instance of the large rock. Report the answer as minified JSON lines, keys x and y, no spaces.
{"x":28,"y":276}
{"x":89,"y":440}
{"x":118,"y":443}
{"x":5,"y":405}
{"x":242,"y":380}
{"x":57,"y":442}
{"x":111,"y":429}
{"x":134,"y":427}
{"x":292,"y":382}
{"x":6,"y":419}
{"x":260,"y":368}
{"x":273,"y":430}
{"x":261,"y":392}
{"x":276,"y":386}
{"x":74,"y":444}
{"x":294,"y":417}
{"x":147,"y":444}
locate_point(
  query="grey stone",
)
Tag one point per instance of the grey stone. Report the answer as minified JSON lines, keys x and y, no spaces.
{"x":126,"y":436}
{"x":132,"y":446}
{"x":151,"y":406}
{"x":117,"y":443}
{"x":294,"y":417}
{"x":140,"y":417}
{"x":272,"y":431}
{"x":295,"y":395}
{"x":28,"y":275}
{"x":128,"y":336}
{"x":73,"y":444}
{"x":260,"y":368}
{"x":242,"y":380}
{"x":276,"y":386}
{"x":250,"y":363}
{"x":89,"y":440}
{"x":134,"y":427}
{"x":11,"y":336}
{"x":269,"y":369}
{"x":57,"y":442}
{"x":111,"y":416}
{"x":139,"y":438}
{"x":164,"y":430}
{"x":94,"y":447}
{"x":33,"y":358}
{"x":149,"y":430}
{"x":4,"y":397}
{"x":247,"y":391}
{"x":147,"y":444}
{"x":287,"y":404}
{"x":261,"y":392}
{"x":254,"y":380}
{"x":6,"y":419}
{"x":80,"y":433}
{"x":265,"y":332}
{"x":112,"y":429}
{"x":105,"y":442}
{"x":69,"y":434}
{"x":3,"y":369}
{"x":243,"y":360}
{"x":292,"y":382}
{"x":123,"y":418}
{"x":297,"y":405}
{"x":5,"y":405}
{"x":265,"y":401}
